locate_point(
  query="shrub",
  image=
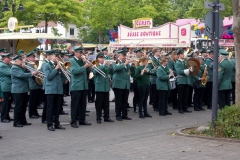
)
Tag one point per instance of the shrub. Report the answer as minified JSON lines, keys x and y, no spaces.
{"x":228,"y":123}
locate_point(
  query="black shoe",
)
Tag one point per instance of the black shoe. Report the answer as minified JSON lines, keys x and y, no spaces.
{"x":74,"y":125}
{"x":17,"y":125}
{"x":5,"y":121}
{"x":167,"y":113}
{"x":27,"y":124}
{"x":141,"y":116}
{"x":63,"y":113}
{"x":64,"y":104}
{"x":162,"y":114}
{"x":86,"y":114}
{"x":196,"y":109}
{"x":59,"y":127}
{"x":10,"y":119}
{"x":187,"y":111}
{"x":39,"y":107}
{"x":34,"y":117}
{"x":99,"y":121}
{"x":39,"y":115}
{"x":127,"y":118}
{"x":129,"y":107}
{"x":119,"y":118}
{"x":85,"y":123}
{"x":50,"y":128}
{"x":0,"y":137}
{"x":148,"y":116}
{"x":90,"y":101}
{"x":108,"y":120}
{"x":181,"y":111}
{"x":87,"y":111}
{"x":44,"y":122}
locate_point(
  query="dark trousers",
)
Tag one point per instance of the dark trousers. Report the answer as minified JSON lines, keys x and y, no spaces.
{"x":150,"y":95}
{"x":173,"y":97}
{"x":154,"y":96}
{"x":44,"y":113}
{"x":163,"y":101}
{"x":121,"y":101}
{"x":102,"y":103}
{"x":78,"y":105}
{"x":143,"y":96}
{"x":190,"y":95}
{"x":198,"y":98}
{"x":53,"y":108}
{"x":182,"y":96}
{"x":224,"y":98}
{"x":34,"y":102}
{"x":20,"y":100}
{"x":208,"y":94}
{"x":91,"y":90}
{"x":66,"y":88}
{"x":6,"y":105}
{"x":136,"y":95}
{"x":233,"y":92}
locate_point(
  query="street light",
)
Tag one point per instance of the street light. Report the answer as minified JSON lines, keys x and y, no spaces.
{"x":20,"y":7}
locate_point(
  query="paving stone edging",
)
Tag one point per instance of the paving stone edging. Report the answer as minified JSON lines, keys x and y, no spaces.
{"x":180,"y":133}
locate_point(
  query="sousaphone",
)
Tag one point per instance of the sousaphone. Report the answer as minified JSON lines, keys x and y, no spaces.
{"x":195,"y":64}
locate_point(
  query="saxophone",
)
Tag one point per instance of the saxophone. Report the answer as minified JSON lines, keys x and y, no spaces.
{"x":204,"y":76}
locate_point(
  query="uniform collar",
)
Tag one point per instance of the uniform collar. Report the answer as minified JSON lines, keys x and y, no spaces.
{"x":76,"y":58}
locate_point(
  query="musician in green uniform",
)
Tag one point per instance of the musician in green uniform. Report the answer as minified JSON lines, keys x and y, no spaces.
{"x":21,"y":53}
{"x":173,"y":92}
{"x":163,"y":86}
{"x":20,"y":89}
{"x":102,"y":88}
{"x":105,"y":52}
{"x":233,"y":76}
{"x":143,"y":83}
{"x":183,"y":82}
{"x":6,"y":84}
{"x":2,"y":51}
{"x":155,"y":63}
{"x":1,"y":99}
{"x":198,"y":87}
{"x":204,"y":54}
{"x":225,"y":69}
{"x":35,"y":89}
{"x":190,"y":92}
{"x":53,"y":90}
{"x":91,"y":86}
{"x":121,"y":85}
{"x":79,"y":88}
{"x":208,"y":89}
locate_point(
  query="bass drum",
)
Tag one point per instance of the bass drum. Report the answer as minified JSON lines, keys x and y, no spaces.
{"x":111,"y":95}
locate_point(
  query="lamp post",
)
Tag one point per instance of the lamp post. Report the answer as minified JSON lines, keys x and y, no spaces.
{"x":20,"y":7}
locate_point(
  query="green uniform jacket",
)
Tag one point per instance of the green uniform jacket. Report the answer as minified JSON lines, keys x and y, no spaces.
{"x":19,"y":79}
{"x":79,"y":75}
{"x":1,"y":94}
{"x":153,"y":70}
{"x":107,"y":57}
{"x":142,"y":80}
{"x":121,"y":78}
{"x":132,"y":71}
{"x":102,"y":84}
{"x":162,"y":81}
{"x":199,"y":75}
{"x":183,"y":79}
{"x":5,"y":77}
{"x":204,"y":61}
{"x":234,"y":70}
{"x":32,"y":83}
{"x":209,"y":63}
{"x":171,"y":66}
{"x":53,"y":84}
{"x":225,"y":69}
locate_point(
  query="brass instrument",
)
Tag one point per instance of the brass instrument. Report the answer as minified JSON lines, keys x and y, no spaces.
{"x":94,"y":66}
{"x":195,"y":64}
{"x":65,"y":66}
{"x":155,"y":66}
{"x":187,"y":52}
{"x":230,"y":50}
{"x":39,"y":77}
{"x":204,"y":76}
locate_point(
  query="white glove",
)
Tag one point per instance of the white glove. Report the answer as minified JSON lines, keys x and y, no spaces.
{"x":191,"y":69}
{"x":186,"y":72}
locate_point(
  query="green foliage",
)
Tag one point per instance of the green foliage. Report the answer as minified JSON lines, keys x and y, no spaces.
{"x":90,"y":36}
{"x":198,"y":11}
{"x":181,"y":7}
{"x":55,"y":32}
{"x":59,"y":46}
{"x":228,"y":123}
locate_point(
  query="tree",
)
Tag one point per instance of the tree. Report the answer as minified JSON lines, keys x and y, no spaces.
{"x":180,"y":7}
{"x":198,"y":11}
{"x":236,"y":31}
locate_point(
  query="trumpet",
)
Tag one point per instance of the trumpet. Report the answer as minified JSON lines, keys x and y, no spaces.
{"x":94,"y":66}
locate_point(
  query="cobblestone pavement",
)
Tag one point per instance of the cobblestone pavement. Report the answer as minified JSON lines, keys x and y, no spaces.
{"x":127,"y":140}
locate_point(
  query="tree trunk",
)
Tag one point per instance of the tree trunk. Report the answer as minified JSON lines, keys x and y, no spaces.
{"x":46,"y":30}
{"x":99,"y":37}
{"x":236,"y":31}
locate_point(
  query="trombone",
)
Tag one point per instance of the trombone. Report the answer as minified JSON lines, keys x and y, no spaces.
{"x":65,"y":66}
{"x":94,"y":66}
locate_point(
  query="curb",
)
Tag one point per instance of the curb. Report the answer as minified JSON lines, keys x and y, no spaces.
{"x":179,"y":133}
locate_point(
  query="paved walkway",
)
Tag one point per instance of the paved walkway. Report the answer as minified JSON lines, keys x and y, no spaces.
{"x":126,"y":140}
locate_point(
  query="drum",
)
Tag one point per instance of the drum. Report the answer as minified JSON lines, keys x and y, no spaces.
{"x":172,"y":83}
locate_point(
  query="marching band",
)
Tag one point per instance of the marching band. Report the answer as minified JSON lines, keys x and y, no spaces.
{"x":175,"y":79}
